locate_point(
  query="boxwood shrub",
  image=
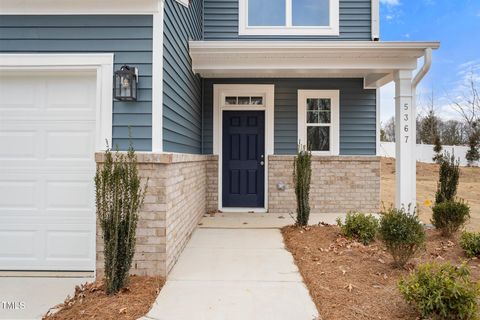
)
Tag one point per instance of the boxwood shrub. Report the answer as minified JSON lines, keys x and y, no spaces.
{"x":470,"y":243}
{"x":402,"y":233}
{"x":450,"y":216}
{"x":359,"y":226}
{"x":442,"y":291}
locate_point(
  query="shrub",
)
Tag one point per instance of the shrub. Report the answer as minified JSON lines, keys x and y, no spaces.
{"x":302,"y":173}
{"x":449,"y":174}
{"x":359,"y":226}
{"x":442,"y":291}
{"x":402,"y":233}
{"x":119,"y":196}
{"x":450,"y":216}
{"x":473,"y":153}
{"x":470,"y":243}
{"x":437,"y":148}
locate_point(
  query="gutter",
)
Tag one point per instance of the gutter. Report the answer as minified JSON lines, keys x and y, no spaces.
{"x":423,"y":71}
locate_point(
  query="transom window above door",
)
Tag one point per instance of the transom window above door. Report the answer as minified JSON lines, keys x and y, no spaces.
{"x":318,"y":121}
{"x":288,"y":17}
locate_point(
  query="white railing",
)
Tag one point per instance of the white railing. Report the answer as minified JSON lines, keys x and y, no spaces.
{"x":425,"y":152}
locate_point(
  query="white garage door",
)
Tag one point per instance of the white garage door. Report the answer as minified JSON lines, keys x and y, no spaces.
{"x":47,"y":145}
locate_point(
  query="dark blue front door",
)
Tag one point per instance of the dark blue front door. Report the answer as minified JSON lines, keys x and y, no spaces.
{"x":243,"y":159}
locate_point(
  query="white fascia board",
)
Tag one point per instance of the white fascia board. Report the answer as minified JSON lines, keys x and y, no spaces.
{"x":306,"y":58}
{"x":64,"y":7}
{"x":312,"y":45}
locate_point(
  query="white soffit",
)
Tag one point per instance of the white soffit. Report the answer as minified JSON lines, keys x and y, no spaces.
{"x":39,"y":7}
{"x":364,"y":59}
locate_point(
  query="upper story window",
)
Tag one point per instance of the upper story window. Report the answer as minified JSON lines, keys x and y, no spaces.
{"x":288,"y":17}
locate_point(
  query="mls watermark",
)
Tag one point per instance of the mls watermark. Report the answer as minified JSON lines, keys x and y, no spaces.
{"x":12,"y":305}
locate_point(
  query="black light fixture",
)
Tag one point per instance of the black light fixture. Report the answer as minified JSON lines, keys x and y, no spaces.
{"x":125,"y":82}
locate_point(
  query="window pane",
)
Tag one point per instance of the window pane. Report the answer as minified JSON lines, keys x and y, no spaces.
{"x":318,"y":138}
{"x":243,"y":100}
{"x":310,"y":12}
{"x":230,"y":100}
{"x":318,"y":110}
{"x":257,"y":100}
{"x":266,"y":12}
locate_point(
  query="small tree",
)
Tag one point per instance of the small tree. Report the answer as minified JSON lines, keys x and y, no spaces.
{"x":302,"y":173}
{"x":449,"y":174}
{"x":437,"y":148}
{"x":473,"y":153}
{"x":119,"y":196}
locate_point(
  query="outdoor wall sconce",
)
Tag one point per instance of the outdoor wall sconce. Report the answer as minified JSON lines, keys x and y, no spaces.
{"x":125,"y":84}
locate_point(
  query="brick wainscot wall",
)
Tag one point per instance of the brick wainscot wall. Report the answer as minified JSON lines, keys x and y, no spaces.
{"x":339,"y":184}
{"x":181,"y":189}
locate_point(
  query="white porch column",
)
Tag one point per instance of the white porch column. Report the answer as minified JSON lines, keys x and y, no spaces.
{"x":405,"y":137}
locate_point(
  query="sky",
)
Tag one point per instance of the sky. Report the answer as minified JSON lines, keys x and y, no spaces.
{"x":456,"y":24}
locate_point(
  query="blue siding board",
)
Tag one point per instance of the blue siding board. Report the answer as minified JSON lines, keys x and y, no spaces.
{"x":129,"y":37}
{"x":357,"y":113}
{"x":221,"y":22}
{"x":182,"y":108}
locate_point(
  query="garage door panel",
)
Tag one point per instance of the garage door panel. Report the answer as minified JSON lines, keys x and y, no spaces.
{"x":19,"y":144}
{"x":69,"y":195}
{"x":19,"y":195}
{"x":76,"y":145}
{"x":70,"y":94}
{"x":19,"y":94}
{"x":60,"y":244}
{"x":19,"y":244}
{"x":47,"y":145}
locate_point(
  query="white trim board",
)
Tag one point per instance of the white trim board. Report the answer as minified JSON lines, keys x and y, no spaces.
{"x":334,"y":96}
{"x":101,"y":64}
{"x":83,"y":7}
{"x":157,"y":79}
{"x":331,"y":30}
{"x":219,"y":92}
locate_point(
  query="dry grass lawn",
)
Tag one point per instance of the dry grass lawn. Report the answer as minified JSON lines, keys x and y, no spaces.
{"x":427,"y":177}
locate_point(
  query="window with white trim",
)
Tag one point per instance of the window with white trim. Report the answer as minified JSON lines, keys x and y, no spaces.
{"x":318,"y":120}
{"x":289,"y":17}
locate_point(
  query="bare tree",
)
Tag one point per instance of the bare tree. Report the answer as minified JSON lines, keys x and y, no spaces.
{"x":387,"y":133}
{"x":467,"y":104}
{"x":453,"y":132}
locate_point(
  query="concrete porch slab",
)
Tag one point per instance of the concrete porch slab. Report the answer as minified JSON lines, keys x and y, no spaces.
{"x":244,"y":220}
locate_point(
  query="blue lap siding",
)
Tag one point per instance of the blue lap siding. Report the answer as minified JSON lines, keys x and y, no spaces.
{"x":182,"y":89}
{"x":357,"y":113}
{"x":221,"y":22}
{"x":128,"y":37}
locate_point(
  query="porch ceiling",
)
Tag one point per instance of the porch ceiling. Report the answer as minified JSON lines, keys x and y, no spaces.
{"x":375,"y":62}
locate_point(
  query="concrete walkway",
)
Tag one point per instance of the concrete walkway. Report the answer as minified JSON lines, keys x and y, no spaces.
{"x":234,"y":274}
{"x":30,"y":297}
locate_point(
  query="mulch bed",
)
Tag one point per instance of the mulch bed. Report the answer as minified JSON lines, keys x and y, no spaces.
{"x":348,"y":280}
{"x":91,"y":302}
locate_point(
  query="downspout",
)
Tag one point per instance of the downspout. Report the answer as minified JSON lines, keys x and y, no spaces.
{"x":427,"y":63}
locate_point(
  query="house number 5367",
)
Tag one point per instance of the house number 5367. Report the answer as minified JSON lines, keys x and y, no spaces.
{"x":405,"y":119}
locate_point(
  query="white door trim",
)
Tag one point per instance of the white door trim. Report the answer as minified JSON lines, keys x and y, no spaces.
{"x":219,"y":93}
{"x":101,"y":64}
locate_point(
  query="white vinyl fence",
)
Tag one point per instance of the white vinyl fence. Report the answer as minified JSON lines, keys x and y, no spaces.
{"x":425,"y":152}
